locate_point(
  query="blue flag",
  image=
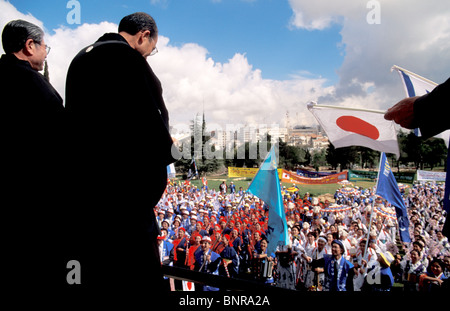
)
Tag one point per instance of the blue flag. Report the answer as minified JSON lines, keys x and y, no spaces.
{"x":266,"y":186}
{"x":388,"y":189}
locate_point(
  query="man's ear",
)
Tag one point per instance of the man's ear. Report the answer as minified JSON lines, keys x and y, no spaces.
{"x":29,"y":48}
{"x":144,"y":35}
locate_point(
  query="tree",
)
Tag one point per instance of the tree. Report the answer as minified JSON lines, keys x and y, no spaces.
{"x":201,"y":148}
{"x":46,"y":73}
{"x":434,"y":152}
{"x":347,"y":157}
{"x":421,"y":152}
{"x":319,"y":158}
{"x":291,"y":156}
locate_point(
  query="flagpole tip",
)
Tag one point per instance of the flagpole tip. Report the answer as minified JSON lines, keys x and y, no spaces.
{"x":311,"y":104}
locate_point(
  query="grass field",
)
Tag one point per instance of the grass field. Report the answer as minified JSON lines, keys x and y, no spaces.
{"x":314,"y":190}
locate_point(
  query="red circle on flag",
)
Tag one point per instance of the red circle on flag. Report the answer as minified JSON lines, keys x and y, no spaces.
{"x":358,"y":126}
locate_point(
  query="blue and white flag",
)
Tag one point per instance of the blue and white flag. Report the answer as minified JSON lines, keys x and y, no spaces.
{"x":266,"y":186}
{"x":171,"y":173}
{"x":388,"y":189}
{"x":416,"y":85}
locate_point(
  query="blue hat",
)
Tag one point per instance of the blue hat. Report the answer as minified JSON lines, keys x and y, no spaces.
{"x":339,"y":243}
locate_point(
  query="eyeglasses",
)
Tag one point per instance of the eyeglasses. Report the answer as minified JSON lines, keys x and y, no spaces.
{"x":47,"y":48}
{"x":155,"y":49}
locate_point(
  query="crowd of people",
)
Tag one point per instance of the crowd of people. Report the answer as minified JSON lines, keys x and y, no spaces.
{"x":332,"y":245}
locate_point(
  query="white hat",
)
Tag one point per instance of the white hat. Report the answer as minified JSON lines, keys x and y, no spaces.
{"x":206,"y":238}
{"x":387,"y":258}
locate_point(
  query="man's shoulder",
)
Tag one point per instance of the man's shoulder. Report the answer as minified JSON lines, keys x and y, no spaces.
{"x":107,"y":48}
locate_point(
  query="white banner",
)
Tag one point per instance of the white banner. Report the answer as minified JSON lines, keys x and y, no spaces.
{"x":429,"y":175}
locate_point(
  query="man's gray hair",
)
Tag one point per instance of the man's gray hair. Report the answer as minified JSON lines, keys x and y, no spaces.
{"x":17,"y":32}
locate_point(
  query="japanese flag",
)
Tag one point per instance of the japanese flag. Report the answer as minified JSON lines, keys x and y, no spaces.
{"x":357,"y":127}
{"x":188,"y":286}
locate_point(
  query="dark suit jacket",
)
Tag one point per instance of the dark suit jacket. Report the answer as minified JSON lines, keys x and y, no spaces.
{"x":31,"y":146}
{"x":121,"y":147}
{"x":431,"y":111}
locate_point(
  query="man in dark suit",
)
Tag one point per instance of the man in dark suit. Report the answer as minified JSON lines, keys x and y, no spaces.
{"x":121,"y":148}
{"x":31,"y":115}
{"x":428,"y":112}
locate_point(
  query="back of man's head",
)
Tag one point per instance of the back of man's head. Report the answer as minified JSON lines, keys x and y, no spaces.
{"x":136,"y":22}
{"x":17,"y":32}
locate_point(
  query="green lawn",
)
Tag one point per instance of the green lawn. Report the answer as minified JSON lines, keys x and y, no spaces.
{"x":314,"y":190}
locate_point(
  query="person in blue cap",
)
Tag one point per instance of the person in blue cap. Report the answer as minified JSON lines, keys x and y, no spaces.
{"x":337,"y":269}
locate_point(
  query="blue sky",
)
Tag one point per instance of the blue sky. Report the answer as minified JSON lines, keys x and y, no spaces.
{"x":260,"y":29}
{"x":252,"y":61}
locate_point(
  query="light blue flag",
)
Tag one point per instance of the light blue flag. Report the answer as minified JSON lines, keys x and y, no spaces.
{"x":266,"y":186}
{"x":387,"y":188}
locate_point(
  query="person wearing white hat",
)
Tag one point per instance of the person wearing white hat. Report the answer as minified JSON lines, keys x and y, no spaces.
{"x":160,"y":217}
{"x":193,"y":224}
{"x":169,"y":215}
{"x":207,"y":261}
{"x":185,"y":222}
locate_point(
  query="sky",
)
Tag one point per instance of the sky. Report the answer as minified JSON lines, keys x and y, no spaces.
{"x":254,"y":61}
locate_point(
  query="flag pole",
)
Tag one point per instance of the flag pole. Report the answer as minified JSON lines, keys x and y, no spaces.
{"x":413,"y":74}
{"x":315,"y":105}
{"x":244,"y":194}
{"x":373,"y":209}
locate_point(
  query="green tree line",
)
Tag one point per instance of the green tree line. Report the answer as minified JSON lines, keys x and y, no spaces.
{"x":415,"y":153}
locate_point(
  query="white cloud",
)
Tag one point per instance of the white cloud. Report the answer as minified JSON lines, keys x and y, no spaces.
{"x":232,"y":92}
{"x":66,"y":43}
{"x":8,"y":13}
{"x":412,"y":34}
